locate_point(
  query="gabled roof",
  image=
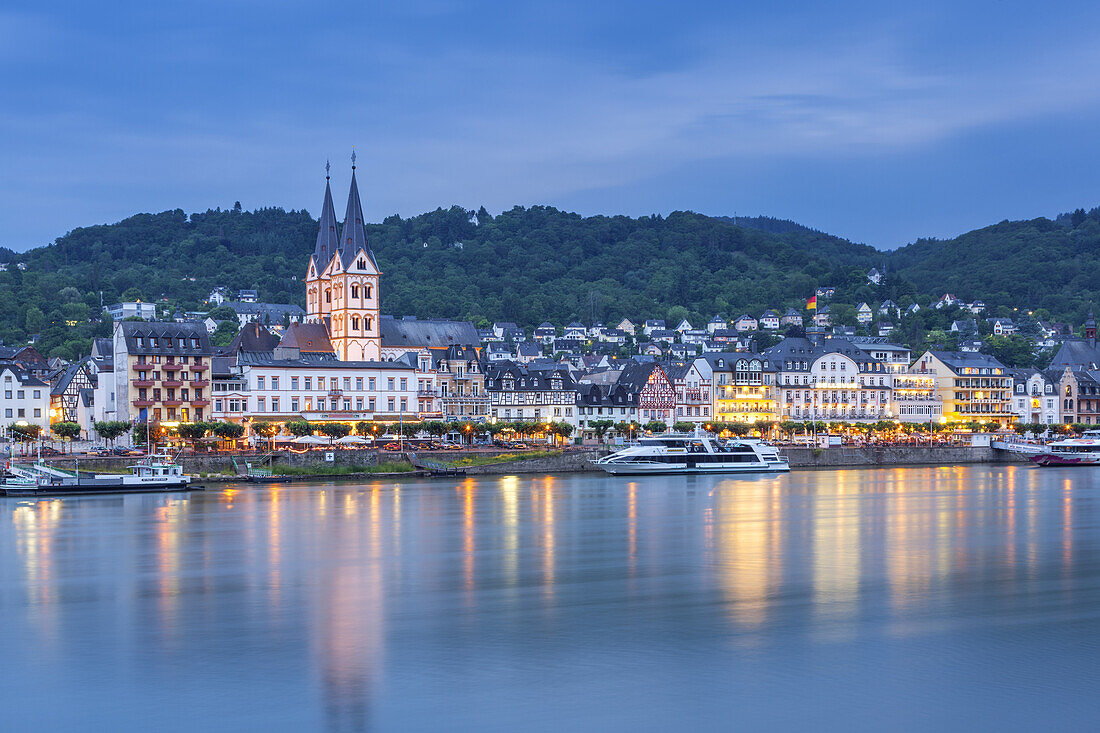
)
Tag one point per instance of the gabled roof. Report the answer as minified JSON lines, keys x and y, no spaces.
{"x":308,"y":338}
{"x":353,"y":237}
{"x":167,"y":335}
{"x":253,"y":337}
{"x":416,"y":333}
{"x":61,"y":385}
{"x":956,"y":360}
{"x":328,"y":240}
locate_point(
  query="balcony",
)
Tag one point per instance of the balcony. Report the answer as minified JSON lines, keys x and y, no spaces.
{"x":172,"y":382}
{"x":199,"y":366}
{"x":199,"y":402}
{"x":200,"y":382}
{"x":171,"y":366}
{"x":428,"y":393}
{"x":171,"y":402}
{"x":142,"y":382}
{"x":143,"y":403}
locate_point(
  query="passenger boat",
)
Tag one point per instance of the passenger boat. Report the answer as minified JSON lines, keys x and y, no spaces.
{"x":694,"y":453}
{"x":158,"y":472}
{"x":1083,"y":451}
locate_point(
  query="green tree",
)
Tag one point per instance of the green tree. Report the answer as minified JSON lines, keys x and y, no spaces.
{"x":193,"y":431}
{"x":299,"y":428}
{"x":68,"y":431}
{"x":334,"y":430}
{"x":224,"y":333}
{"x":265,"y":429}
{"x":110,"y":430}
{"x":227,"y":430}
{"x":35,"y":320}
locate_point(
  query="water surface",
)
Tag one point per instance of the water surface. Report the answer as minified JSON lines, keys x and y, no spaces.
{"x":909,"y":599}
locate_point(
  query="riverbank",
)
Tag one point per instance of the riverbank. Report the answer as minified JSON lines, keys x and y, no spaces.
{"x":352,"y":465}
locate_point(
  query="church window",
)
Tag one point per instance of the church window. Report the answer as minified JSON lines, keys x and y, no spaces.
{"x":369,"y":322}
{"x":355,"y":323}
{"x":368,"y":291}
{"x":355,"y":291}
{"x":328,"y":296}
{"x":362,"y":264}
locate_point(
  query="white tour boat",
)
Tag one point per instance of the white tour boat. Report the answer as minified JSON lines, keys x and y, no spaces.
{"x":1083,"y":451}
{"x":694,"y":453}
{"x":158,"y":472}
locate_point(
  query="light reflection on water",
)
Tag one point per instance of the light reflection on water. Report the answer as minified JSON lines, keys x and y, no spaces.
{"x":947,"y":598}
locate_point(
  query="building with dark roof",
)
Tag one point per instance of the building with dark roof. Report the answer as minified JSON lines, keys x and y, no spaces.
{"x":161,"y":371}
{"x":971,"y":387}
{"x":24,"y":397}
{"x":519,"y":392}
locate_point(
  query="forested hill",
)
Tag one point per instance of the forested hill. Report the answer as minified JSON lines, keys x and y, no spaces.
{"x":1037,"y":264}
{"x":534,"y":264}
{"x":525,"y":265}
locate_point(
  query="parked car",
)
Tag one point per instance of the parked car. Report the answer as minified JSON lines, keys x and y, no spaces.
{"x":391,"y":446}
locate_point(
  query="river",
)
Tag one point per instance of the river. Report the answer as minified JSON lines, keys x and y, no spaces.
{"x":956,"y":598}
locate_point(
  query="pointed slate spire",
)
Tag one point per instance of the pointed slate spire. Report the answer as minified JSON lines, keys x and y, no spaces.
{"x":328,"y":241}
{"x":354,"y":235}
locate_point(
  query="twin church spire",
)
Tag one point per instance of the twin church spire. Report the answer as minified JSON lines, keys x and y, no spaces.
{"x":352,"y":236}
{"x":342,"y":281}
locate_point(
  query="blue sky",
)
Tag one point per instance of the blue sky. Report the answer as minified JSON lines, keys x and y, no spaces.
{"x":878,"y":123}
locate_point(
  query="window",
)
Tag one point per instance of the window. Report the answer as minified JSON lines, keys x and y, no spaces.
{"x":294,"y":383}
{"x":347,"y":404}
{"x":261,"y":404}
{"x":274,"y":382}
{"x":333,"y":384}
{"x":347,"y":383}
{"x":355,"y":294}
{"x":370,"y":404}
{"x":389,"y":383}
{"x":274,"y":404}
{"x":259,"y":382}
{"x":218,"y":405}
{"x":358,"y":384}
{"x":308,"y":381}
{"x":355,"y":323}
{"x":294,"y":404}
{"x":370,"y":384}
{"x":390,"y":404}
{"x":359,"y":403}
{"x":7,"y":412}
{"x":404,"y":383}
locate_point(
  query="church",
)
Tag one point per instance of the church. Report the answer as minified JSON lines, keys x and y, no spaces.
{"x":342,"y":281}
{"x":344,"y":297}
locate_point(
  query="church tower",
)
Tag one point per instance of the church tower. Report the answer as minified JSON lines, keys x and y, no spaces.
{"x":348,"y":294}
{"x":319,"y":287}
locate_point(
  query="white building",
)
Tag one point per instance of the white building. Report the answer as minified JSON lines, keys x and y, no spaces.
{"x":1035,"y":397}
{"x":122,"y":311}
{"x":24,"y":398}
{"x":864,"y":314}
{"x":286,"y":385}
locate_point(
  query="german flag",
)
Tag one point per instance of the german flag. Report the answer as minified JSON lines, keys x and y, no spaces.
{"x":811,"y":304}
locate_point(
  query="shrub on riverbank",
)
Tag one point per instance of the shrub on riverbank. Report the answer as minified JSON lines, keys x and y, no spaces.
{"x":384,"y":467}
{"x":503,"y":458}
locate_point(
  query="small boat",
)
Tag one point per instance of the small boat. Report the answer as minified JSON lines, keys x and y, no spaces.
{"x":158,"y":472}
{"x":1083,"y":451}
{"x":694,"y":453}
